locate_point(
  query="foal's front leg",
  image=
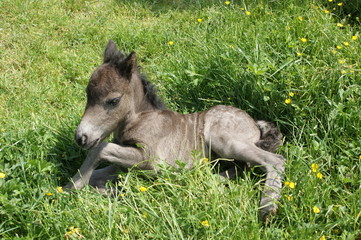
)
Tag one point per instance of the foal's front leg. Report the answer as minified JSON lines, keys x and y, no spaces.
{"x":125,"y":157}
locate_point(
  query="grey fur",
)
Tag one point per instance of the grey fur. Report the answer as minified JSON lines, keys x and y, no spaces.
{"x":122,"y":102}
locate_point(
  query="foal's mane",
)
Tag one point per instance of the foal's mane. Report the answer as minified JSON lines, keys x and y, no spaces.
{"x":150,"y":91}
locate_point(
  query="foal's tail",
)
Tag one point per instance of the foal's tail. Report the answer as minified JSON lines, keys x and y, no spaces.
{"x":271,"y":137}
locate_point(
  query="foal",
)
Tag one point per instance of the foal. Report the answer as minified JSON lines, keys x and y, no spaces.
{"x":121,"y":101}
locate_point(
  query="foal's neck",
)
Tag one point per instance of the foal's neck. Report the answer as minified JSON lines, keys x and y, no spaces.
{"x":145,"y":97}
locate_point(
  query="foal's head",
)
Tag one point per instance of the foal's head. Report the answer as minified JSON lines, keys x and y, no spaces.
{"x":110,"y":97}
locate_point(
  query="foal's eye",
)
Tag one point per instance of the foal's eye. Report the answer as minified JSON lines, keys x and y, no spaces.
{"x":113,"y":102}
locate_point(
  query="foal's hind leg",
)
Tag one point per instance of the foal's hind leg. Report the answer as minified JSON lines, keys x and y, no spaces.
{"x":272,"y":163}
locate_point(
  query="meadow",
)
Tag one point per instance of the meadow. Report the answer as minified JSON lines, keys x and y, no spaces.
{"x":296,"y":63}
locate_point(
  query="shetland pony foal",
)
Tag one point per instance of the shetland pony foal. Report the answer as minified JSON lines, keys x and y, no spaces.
{"x":121,"y":101}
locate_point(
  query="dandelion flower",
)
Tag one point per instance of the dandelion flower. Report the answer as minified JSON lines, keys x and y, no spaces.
{"x":291,"y":94}
{"x":288,"y":101}
{"x":170,"y":43}
{"x":323,"y":237}
{"x":289,"y":197}
{"x":326,"y":11}
{"x":143,"y":189}
{"x":339,"y":4}
{"x":353,"y":38}
{"x":330,"y":0}
{"x":199,"y":19}
{"x":314,"y":167}
{"x":122,"y":195}
{"x":60,"y":189}
{"x":73,"y":232}
{"x":205,"y":223}
{"x":339,"y":47}
{"x":341,"y":61}
{"x":303,"y":40}
{"x":248,"y":13}
{"x":300,"y":18}
{"x":316,"y":209}
{"x":227,"y":2}
{"x":319,"y":175}
{"x":299,"y":54}
{"x":48,"y":194}
{"x":343,"y":71}
{"x":339,"y":25}
{"x":346,"y":43}
{"x":290,"y":184}
{"x":2,"y":175}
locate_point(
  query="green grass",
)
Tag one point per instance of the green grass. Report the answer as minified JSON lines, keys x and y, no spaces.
{"x":48,"y":49}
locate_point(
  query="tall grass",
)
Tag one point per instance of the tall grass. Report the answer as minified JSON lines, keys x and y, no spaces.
{"x":296,"y":63}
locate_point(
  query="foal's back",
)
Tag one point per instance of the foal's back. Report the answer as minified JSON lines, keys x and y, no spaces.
{"x":169,"y":136}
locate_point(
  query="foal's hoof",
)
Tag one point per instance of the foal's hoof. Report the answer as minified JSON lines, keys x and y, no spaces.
{"x":266,"y":212}
{"x":69,"y":186}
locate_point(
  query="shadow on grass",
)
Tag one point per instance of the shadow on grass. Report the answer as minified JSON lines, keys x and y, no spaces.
{"x":66,"y":153}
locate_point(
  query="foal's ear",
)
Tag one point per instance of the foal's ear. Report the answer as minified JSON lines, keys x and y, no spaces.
{"x":110,"y":51}
{"x":129,"y":65}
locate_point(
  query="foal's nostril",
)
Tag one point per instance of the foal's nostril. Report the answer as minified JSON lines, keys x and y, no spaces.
{"x":81,"y":140}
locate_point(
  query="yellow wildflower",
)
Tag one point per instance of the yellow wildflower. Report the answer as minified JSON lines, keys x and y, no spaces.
{"x":299,"y":54}
{"x":326,"y":11}
{"x":319,"y":175}
{"x":2,"y":175}
{"x":242,"y":9}
{"x":353,"y":38}
{"x":346,"y":43}
{"x":333,"y":51}
{"x":73,"y":232}
{"x":3,"y":129}
{"x":199,"y":19}
{"x":338,"y":47}
{"x":316,"y":209}
{"x":290,"y":184}
{"x":205,"y":223}
{"x":303,"y":40}
{"x":170,"y":43}
{"x":288,"y":101}
{"x":289,"y":197}
{"x":323,"y":237}
{"x":314,"y":167}
{"x":339,"y":25}
{"x":227,"y":2}
{"x":143,"y":189}
{"x":330,"y":0}
{"x":122,"y":195}
{"x":291,"y":94}
{"x":248,"y":13}
{"x":60,"y":189}
{"x":340,"y":4}
{"x":300,"y":18}
{"x":48,"y":194}
{"x":340,"y":61}
{"x":343,"y":71}
{"x":205,"y":160}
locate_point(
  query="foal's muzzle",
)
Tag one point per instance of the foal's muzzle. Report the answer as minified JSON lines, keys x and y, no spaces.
{"x":81,"y":140}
